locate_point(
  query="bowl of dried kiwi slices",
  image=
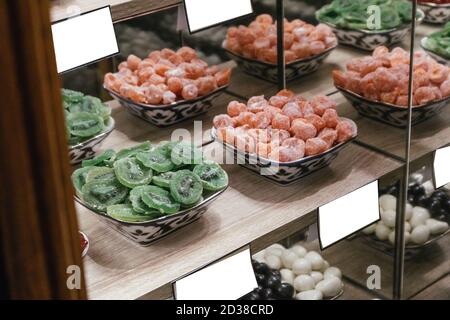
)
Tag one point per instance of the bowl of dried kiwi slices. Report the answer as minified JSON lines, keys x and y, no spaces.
{"x":88,"y":123}
{"x":148,"y":191}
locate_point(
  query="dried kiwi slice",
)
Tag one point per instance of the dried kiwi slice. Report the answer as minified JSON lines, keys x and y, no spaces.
{"x":184,"y":153}
{"x":186,"y":187}
{"x":70,"y":96}
{"x":79,"y":178}
{"x":213,"y":177}
{"x":103,"y":159}
{"x":131,"y":173}
{"x":136,"y":200}
{"x":83,"y":124}
{"x":101,"y":174}
{"x":155,"y":160}
{"x":131,"y":152}
{"x":160,"y":199}
{"x":165,"y":147}
{"x":125,"y":212}
{"x":100,"y":195}
{"x":163,"y":180}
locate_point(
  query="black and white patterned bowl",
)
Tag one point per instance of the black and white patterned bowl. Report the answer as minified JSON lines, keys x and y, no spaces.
{"x":167,"y":115}
{"x":435,"y":13}
{"x":283,"y":173}
{"x":87,"y":149}
{"x":370,"y":39}
{"x":269,"y":72}
{"x":391,"y":114}
{"x":145,"y":233}
{"x":435,"y":56}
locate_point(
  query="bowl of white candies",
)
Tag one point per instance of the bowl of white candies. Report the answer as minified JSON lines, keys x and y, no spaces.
{"x":307,"y":271}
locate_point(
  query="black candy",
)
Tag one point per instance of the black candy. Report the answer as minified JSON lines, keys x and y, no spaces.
{"x":260,"y":278}
{"x":272,"y":282}
{"x":284,"y":290}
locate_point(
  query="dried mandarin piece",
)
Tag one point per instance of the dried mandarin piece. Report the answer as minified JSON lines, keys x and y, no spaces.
{"x":263,"y":149}
{"x":249,"y":51}
{"x":286,"y":93}
{"x":331,"y":118}
{"x":380,"y":52}
{"x":206,"y":85}
{"x":166,"y":53}
{"x":292,"y":110}
{"x":154,"y":94}
{"x":257,"y":106}
{"x":175,"y":85}
{"x":345,"y":130}
{"x":122,"y":65}
{"x":303,"y":130}
{"x":137,"y":95}
{"x":445,"y":88}
{"x":320,"y":103}
{"x":424,"y":95}
{"x":353,"y":82}
{"x":187,"y":53}
{"x":437,"y":93}
{"x":222,"y":120}
{"x":328,"y":135}
{"x":295,"y":144}
{"x":131,"y":79}
{"x":260,"y":135}
{"x":233,"y":45}
{"x":402,"y":101}
{"x":189,"y":91}
{"x":340,"y":79}
{"x":210,"y":71}
{"x":133,"y":62}
{"x":271,"y":112}
{"x":246,"y":118}
{"x":421,"y":78}
{"x":245,"y":35}
{"x":156,"y":79}
{"x":264,"y":18}
{"x":288,"y":40}
{"x":174,"y":73}
{"x":232,"y":32}
{"x":280,"y":121}
{"x":193,"y":71}
{"x":176,"y":59}
{"x":223,"y":77}
{"x":282,"y":154}
{"x":245,"y":143}
{"x":389,"y":97}
{"x":155,"y":56}
{"x":438,"y":74}
{"x":370,"y":91}
{"x":315,"y":146}
{"x":226,"y":134}
{"x":268,"y":55}
{"x":262,"y":120}
{"x":317,"y":47}
{"x":290,"y":56}
{"x":278,"y":101}
{"x":261,"y":43}
{"x":316,"y":121}
{"x":278,"y":136}
{"x":384,"y":80}
{"x":297,"y":98}
{"x":199,"y":62}
{"x":301,"y":50}
{"x":144,"y":74}
{"x":307,"y":108}
{"x":112,"y":82}
{"x":163,"y":87}
{"x":234,"y":108}
{"x":169,"y":97}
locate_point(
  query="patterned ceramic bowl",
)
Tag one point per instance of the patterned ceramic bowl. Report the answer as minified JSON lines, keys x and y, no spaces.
{"x":87,"y":149}
{"x":435,"y":13}
{"x":269,"y":72}
{"x":283,"y":173}
{"x":370,"y":39}
{"x":391,"y":114}
{"x":166,"y":115}
{"x":435,"y":56}
{"x":145,"y":233}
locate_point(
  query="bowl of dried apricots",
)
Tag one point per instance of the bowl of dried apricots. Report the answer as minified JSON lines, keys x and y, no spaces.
{"x":167,"y":86}
{"x":254,"y":48}
{"x":377,"y":86}
{"x":285,"y":137}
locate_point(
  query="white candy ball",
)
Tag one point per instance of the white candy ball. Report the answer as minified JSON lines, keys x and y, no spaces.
{"x":407,"y":237}
{"x":287,"y":258}
{"x":274,"y":262}
{"x":419,"y":217}
{"x":420,"y":234}
{"x":391,"y":237}
{"x":276,"y":246}
{"x":304,"y":282}
{"x":429,"y":187}
{"x":273,"y":252}
{"x":301,"y":266}
{"x":436,"y":226}
{"x":332,"y":271}
{"x":287,"y":276}
{"x":329,"y":286}
{"x":408,"y":211}
{"x":407,"y":226}
{"x":317,"y":276}
{"x":299,"y":250}
{"x":388,"y":202}
{"x":259,"y":257}
{"x":326,"y":265}
{"x":309,"y":295}
{"x":388,"y":218}
{"x":315,"y":259}
{"x":370,"y":229}
{"x":382,"y":231}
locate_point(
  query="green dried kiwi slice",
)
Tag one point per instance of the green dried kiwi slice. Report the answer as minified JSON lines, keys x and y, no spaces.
{"x":126,"y":213}
{"x":101,"y":194}
{"x":131,"y":173}
{"x":155,"y":160}
{"x":165,"y":147}
{"x":136,"y":200}
{"x":92,"y":105}
{"x":101,"y":174}
{"x":131,"y":152}
{"x":85,"y":125}
{"x":186,"y":187}
{"x":160,"y":199}
{"x":100,"y":160}
{"x":213,"y":177}
{"x":185,"y":153}
{"x":163,"y":180}
{"x":79,"y":178}
{"x":71,"y":96}
{"x":72,"y":140}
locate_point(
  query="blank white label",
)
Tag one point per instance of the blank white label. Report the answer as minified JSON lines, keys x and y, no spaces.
{"x":228,"y":279}
{"x":205,"y":13}
{"x":348,"y":214}
{"x":442,"y":166}
{"x":84,"y":39}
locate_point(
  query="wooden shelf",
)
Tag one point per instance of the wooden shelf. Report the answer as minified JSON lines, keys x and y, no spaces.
{"x":121,"y":9}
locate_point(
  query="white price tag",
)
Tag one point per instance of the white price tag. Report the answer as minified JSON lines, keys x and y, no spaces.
{"x":202,"y":14}
{"x":348,"y":214}
{"x":228,"y":279}
{"x":442,"y":166}
{"x":84,"y":39}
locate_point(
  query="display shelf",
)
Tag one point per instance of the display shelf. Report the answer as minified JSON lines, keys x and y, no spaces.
{"x":121,"y":9}
{"x":440,"y":290}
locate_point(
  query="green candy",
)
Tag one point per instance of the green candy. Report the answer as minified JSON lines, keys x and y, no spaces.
{"x":125,"y":212}
{"x":160,"y":199}
{"x":213,"y":177}
{"x":163,"y":180}
{"x":79,"y":177}
{"x":84,"y":125}
{"x":101,"y":174}
{"x":186,"y":187}
{"x":131,"y":173}
{"x":131,"y":152}
{"x":101,"y":194}
{"x":155,"y":160}
{"x":186,"y":154}
{"x":103,"y":159}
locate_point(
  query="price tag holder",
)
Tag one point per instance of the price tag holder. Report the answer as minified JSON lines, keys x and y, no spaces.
{"x":442,"y":166}
{"x":348,"y":214}
{"x":227,"y":279}
{"x":84,"y":39}
{"x":201,"y":14}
